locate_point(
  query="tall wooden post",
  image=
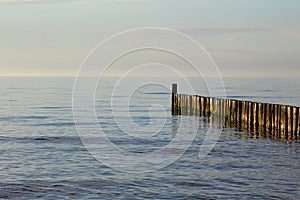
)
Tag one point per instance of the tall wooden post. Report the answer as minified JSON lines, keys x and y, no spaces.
{"x":174,"y":92}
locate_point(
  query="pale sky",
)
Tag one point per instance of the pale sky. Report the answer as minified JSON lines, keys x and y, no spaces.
{"x":244,"y":37}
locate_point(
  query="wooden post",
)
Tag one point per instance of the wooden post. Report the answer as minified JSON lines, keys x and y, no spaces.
{"x":257,"y":110}
{"x":191,"y":105}
{"x":286,"y":113}
{"x":252,"y":117}
{"x":297,"y":115}
{"x":270,"y":118}
{"x":183,"y":104}
{"x":291,"y":130}
{"x":204,"y":106}
{"x":199,"y":105}
{"x":297,"y":122}
{"x":241,"y":114}
{"x":208,"y":107}
{"x":174,"y":92}
{"x":279,"y":120}
{"x":248,"y":115}
{"x":274,"y":119}
{"x":265,"y":118}
{"x":179,"y":104}
{"x":244,"y":114}
{"x":283,"y":120}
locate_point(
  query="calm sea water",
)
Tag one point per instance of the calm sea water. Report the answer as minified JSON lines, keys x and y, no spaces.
{"x":42,"y":156}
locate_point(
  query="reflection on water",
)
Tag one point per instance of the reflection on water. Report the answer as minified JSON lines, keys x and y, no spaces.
{"x":43,"y":157}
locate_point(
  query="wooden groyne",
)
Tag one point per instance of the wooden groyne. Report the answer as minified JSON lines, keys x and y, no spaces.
{"x":275,"y":120}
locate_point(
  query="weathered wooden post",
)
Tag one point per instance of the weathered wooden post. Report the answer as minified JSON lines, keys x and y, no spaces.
{"x":251,"y":116}
{"x":257,"y":118}
{"x":297,"y":122}
{"x":174,"y":92}
{"x":199,"y":106}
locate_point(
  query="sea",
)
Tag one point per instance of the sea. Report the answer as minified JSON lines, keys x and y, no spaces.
{"x":43,"y":155}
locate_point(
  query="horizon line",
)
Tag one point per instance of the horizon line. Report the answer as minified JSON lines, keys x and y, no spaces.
{"x":74,"y":76}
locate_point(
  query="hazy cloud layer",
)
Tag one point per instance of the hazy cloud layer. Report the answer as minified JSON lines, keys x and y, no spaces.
{"x":221,"y":31}
{"x":244,"y":37}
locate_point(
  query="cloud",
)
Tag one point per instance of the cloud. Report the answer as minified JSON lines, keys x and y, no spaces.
{"x":220,"y":31}
{"x":40,"y":33}
{"x":233,"y":38}
{"x":230,"y":50}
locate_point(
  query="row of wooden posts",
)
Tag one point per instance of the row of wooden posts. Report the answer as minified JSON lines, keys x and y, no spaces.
{"x":282,"y":121}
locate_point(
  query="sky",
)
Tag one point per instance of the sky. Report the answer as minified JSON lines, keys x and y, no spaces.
{"x":245,"y":38}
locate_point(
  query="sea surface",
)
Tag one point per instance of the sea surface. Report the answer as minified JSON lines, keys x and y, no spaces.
{"x":43,"y":157}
